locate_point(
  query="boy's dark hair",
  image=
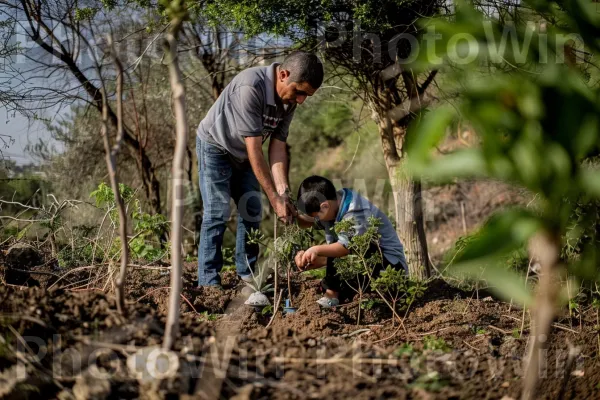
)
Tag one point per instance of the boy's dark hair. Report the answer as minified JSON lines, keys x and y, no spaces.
{"x":304,"y":67}
{"x":313,"y":191}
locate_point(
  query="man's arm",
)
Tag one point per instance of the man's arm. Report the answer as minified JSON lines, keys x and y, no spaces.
{"x":261,"y":171}
{"x":279,"y":164}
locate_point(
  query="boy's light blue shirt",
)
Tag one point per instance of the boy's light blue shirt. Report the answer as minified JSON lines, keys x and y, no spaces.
{"x":355,"y":207}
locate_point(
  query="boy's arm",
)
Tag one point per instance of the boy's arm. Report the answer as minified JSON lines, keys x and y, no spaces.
{"x":333,"y":250}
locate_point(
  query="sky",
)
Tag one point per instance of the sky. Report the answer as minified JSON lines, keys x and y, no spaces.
{"x":23,"y":132}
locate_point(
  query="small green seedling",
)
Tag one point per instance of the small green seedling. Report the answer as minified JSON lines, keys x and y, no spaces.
{"x":431,"y":382}
{"x":268,"y":309}
{"x":433,"y":343}
{"x":404,"y":349}
{"x":205,"y":316}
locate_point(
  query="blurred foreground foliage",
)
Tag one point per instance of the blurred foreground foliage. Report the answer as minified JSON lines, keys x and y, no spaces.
{"x":538,"y":117}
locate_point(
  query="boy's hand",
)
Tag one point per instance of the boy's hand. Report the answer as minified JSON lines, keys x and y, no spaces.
{"x":298,"y":260}
{"x":309,"y":257}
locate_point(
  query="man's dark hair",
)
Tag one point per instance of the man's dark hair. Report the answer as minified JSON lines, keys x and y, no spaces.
{"x":313,"y":191}
{"x":304,"y":67}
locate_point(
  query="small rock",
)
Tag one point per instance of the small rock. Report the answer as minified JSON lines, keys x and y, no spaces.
{"x":257,"y":299}
{"x":311,"y":342}
{"x":91,"y":387}
{"x":505,"y":384}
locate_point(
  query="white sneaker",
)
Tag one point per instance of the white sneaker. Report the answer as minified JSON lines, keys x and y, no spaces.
{"x":327,"y":302}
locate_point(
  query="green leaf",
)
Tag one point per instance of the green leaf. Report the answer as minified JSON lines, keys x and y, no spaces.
{"x":506,"y":283}
{"x":503,"y":233}
{"x":590,"y":181}
{"x":461,"y":164}
{"x":428,"y":133}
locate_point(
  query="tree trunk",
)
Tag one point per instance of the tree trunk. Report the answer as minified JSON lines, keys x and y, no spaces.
{"x":545,"y":248}
{"x":408,"y":204}
{"x":178,"y":180}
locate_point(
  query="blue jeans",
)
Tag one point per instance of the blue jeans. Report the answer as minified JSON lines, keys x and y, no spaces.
{"x":220,"y":181}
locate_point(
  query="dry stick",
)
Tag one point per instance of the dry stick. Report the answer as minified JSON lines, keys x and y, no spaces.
{"x":289,"y":285}
{"x":276,"y":308}
{"x":573,"y":353}
{"x":178,"y":177}
{"x":524,"y":305}
{"x":69,"y":272}
{"x":464,"y":221}
{"x":111,"y":164}
{"x":544,"y":247}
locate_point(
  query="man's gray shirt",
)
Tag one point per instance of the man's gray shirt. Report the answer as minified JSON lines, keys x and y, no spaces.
{"x":355,"y":207}
{"x":248,"y":106}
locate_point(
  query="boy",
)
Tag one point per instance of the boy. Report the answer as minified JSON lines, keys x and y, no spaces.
{"x":318,"y":199}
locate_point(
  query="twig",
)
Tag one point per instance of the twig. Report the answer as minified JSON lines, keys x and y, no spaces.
{"x":190,"y":304}
{"x":573,"y":353}
{"x":432,"y":332}
{"x":474,"y":348}
{"x":524,"y":305}
{"x":152,"y":291}
{"x":499,"y":330}
{"x":464,"y":221}
{"x":276,"y":310}
{"x":328,"y":361}
{"x":70,"y":272}
{"x":389,"y":337}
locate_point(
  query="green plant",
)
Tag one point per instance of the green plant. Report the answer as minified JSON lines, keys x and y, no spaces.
{"x":206,"y":316}
{"x":516,"y":333}
{"x":147,"y":229}
{"x":397,"y":288}
{"x":289,"y":242}
{"x":404,"y":349}
{"x":433,"y":343}
{"x":317,"y":273}
{"x":259,"y":276}
{"x":228,"y":257}
{"x":431,"y":381}
{"x":368,"y":304}
{"x":357,"y":268}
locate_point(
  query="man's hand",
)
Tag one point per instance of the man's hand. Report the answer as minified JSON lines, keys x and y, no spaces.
{"x":284,"y":209}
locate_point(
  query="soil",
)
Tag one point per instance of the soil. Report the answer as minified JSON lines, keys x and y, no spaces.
{"x":313,"y":353}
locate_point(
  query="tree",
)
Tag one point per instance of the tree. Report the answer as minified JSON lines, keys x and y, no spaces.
{"x":367,"y":44}
{"x":62,"y":67}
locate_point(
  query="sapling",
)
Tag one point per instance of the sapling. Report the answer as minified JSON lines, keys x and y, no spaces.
{"x":285,"y":247}
{"x":397,"y":288}
{"x":360,"y":264}
{"x":259,"y":284}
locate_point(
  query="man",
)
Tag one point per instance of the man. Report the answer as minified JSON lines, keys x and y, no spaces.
{"x":258,"y":104}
